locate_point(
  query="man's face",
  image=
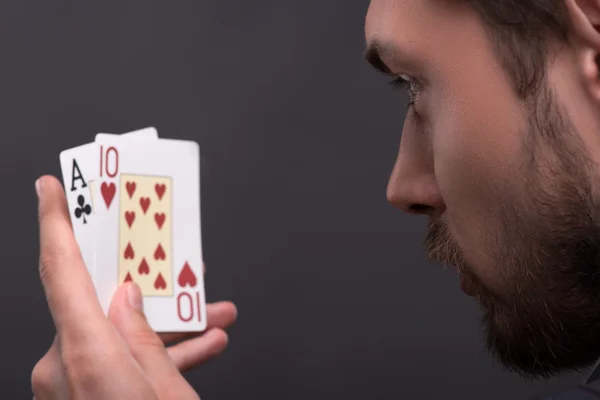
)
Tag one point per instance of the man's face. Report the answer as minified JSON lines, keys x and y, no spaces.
{"x":509,"y":186}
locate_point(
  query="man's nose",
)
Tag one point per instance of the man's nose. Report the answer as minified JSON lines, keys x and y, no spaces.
{"x":412,"y":187}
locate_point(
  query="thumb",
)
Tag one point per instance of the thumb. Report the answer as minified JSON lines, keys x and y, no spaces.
{"x":127,"y":315}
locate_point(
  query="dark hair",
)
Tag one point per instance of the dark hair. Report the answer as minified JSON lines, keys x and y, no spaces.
{"x":523,"y":33}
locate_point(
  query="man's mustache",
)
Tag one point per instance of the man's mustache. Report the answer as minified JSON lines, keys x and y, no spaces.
{"x":440,"y":246}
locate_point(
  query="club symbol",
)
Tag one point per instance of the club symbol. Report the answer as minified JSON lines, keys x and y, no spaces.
{"x":83,"y":209}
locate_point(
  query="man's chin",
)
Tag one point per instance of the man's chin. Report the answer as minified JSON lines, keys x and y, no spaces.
{"x":525,"y":344}
{"x":466,"y":285}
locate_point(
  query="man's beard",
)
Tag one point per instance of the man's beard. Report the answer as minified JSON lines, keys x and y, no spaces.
{"x":545,"y":242}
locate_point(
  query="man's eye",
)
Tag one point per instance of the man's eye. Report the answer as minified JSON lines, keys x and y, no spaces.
{"x":407,"y":85}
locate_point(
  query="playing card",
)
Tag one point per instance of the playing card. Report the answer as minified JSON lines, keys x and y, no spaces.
{"x":148,"y":232}
{"x":140,"y":134}
{"x":79,"y":168}
{"x":148,"y":208}
{"x":146,"y":133}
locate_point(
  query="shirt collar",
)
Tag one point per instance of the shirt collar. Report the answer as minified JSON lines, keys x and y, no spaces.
{"x":594,"y":374}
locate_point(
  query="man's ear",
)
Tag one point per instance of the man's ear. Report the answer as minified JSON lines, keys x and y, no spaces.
{"x":585,"y":24}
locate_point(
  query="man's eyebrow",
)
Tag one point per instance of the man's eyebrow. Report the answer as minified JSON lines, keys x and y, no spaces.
{"x":378,"y":49}
{"x":373,"y":57}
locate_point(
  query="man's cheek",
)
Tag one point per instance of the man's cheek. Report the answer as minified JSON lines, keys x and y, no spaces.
{"x":461,"y":172}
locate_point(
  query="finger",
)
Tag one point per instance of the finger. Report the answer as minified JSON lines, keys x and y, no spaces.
{"x":62,"y":269}
{"x":191,"y":353}
{"x":126,"y":314}
{"x":218,"y":315}
{"x":47,"y":378}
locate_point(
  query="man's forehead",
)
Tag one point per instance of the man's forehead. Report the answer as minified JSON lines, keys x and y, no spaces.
{"x":388,"y":18}
{"x":393,"y":31}
{"x":383,"y":14}
{"x":419,"y":29}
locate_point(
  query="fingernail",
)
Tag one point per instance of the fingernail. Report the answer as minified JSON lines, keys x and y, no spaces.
{"x":38,"y":187}
{"x":134,"y":297}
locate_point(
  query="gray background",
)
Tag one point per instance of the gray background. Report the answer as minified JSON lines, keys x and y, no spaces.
{"x":298,"y":138}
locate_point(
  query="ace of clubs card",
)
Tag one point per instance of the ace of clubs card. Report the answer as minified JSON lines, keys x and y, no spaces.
{"x":148,"y":205}
{"x":79,"y":171}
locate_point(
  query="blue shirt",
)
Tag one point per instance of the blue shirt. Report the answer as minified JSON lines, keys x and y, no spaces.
{"x":589,"y":390}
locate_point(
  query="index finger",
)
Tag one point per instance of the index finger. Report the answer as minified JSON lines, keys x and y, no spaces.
{"x":69,"y":289}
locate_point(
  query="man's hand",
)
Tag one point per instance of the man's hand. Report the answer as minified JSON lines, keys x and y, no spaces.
{"x":120,"y":357}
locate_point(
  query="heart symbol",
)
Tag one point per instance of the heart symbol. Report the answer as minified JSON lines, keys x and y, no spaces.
{"x":145,"y":203}
{"x":159,"y":254}
{"x":129,"y":254}
{"x":160,"y":219}
{"x":144,"y":269}
{"x":108,"y":191}
{"x":160,"y":283}
{"x":186,"y":276}
{"x":160,"y":190}
{"x":129,"y":217}
{"x":128,"y":278}
{"x":130,"y":188}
